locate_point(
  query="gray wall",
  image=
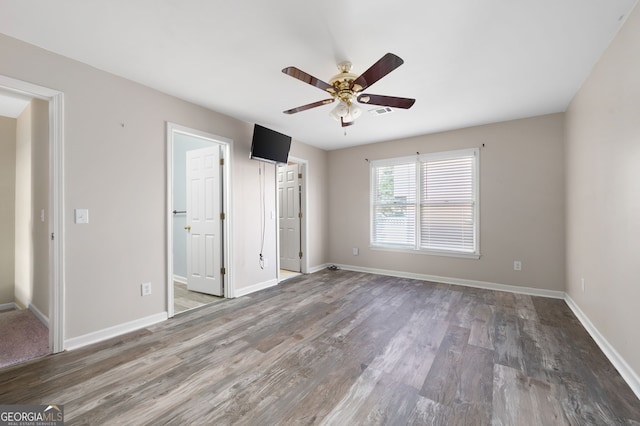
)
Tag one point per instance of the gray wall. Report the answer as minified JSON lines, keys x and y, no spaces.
{"x":603,"y":194}
{"x":7,"y":207}
{"x":115,"y":166}
{"x":521,"y":204}
{"x":32,"y":196}
{"x":23,"y":289}
{"x":39,"y":202}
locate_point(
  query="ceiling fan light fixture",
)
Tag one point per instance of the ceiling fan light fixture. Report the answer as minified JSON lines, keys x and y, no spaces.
{"x":354,"y":112}
{"x":341,"y":110}
{"x":345,"y":113}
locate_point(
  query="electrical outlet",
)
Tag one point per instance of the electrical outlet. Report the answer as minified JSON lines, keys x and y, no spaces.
{"x":145,"y":288}
{"x":517,"y":265}
{"x":355,"y":251}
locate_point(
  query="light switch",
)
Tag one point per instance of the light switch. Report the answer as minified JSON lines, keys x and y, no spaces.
{"x":41,"y":215}
{"x":82,"y":216}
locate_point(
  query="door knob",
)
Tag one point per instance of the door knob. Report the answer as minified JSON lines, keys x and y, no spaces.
{"x":188,"y":227}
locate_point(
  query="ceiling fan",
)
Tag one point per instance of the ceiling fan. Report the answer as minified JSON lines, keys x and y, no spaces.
{"x":346,"y":88}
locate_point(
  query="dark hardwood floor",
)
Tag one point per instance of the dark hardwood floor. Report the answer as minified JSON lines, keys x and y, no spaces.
{"x":185,"y":300}
{"x":341,"y":348}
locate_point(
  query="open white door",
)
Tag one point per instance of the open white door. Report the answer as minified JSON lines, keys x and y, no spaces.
{"x":203,"y":221}
{"x":289,"y":220}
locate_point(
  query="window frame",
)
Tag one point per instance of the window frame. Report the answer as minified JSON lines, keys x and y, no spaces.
{"x":417,"y":161}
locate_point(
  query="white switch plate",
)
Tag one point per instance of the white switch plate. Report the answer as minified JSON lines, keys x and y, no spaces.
{"x":41,"y":215}
{"x":82,"y":216}
{"x":517,"y":265}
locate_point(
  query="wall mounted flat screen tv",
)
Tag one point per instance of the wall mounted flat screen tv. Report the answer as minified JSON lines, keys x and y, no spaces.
{"x":269,"y":145}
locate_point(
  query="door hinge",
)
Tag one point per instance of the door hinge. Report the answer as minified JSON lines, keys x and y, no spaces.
{"x":222,"y":161}
{"x":299,"y":175}
{"x":223,"y":271}
{"x":300,"y":215}
{"x":52,"y":236}
{"x":300,"y":254}
{"x":222,"y":216}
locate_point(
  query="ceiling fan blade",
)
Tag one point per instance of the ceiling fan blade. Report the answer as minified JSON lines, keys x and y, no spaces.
{"x":307,"y":78}
{"x":309,"y":106}
{"x":384,"y":66}
{"x":391,"y":101}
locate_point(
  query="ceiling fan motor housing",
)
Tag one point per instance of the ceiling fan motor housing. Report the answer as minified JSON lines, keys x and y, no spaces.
{"x":343,"y":82}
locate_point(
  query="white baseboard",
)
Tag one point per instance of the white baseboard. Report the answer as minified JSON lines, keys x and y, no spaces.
{"x":8,"y":306}
{"x":42,"y":317}
{"x":239,"y":292}
{"x":460,"y":281}
{"x":318,"y":268}
{"x":117,"y":330}
{"x":627,"y":373}
{"x":180,"y":279}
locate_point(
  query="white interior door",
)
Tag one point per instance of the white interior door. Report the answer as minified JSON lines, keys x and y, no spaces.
{"x":289,"y":220}
{"x":203,"y":221}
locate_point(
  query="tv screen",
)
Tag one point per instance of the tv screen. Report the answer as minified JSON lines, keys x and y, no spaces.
{"x":269,"y":145}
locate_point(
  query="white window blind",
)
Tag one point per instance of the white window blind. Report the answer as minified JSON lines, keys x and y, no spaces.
{"x":394,"y":205}
{"x":427,"y":203}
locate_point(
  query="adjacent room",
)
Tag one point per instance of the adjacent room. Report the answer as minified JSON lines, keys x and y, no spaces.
{"x":321,"y":213}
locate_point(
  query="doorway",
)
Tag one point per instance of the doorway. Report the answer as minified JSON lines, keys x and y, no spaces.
{"x":198,"y":218}
{"x":38,"y":211}
{"x":291,"y":186}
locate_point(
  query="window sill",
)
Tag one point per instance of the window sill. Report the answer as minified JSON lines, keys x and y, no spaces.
{"x":427,"y":252}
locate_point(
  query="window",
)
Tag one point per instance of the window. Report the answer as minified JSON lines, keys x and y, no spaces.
{"x":426,"y":203}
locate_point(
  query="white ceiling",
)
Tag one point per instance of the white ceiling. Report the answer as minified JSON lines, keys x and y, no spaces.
{"x":467,"y":62}
{"x":12,"y":104}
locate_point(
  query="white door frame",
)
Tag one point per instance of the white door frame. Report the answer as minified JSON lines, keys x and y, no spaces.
{"x":55,"y":99}
{"x":304,"y":230}
{"x":227,"y":245}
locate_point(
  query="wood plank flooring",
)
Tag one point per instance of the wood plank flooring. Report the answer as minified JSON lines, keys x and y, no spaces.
{"x":184,"y":299}
{"x":341,"y":348}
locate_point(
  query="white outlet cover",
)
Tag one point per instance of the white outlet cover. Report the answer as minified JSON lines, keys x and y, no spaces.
{"x":146,"y":289}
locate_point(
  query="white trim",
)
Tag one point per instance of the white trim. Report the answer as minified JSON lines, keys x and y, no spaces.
{"x":318,"y":268}
{"x":412,"y":250}
{"x":42,"y":317}
{"x":56,"y":225}
{"x":179,"y":279}
{"x":55,"y":99}
{"x":227,"y":202}
{"x":116,"y":330}
{"x":625,"y":370}
{"x":460,"y":281}
{"x":256,"y":287}
{"x":8,"y":307}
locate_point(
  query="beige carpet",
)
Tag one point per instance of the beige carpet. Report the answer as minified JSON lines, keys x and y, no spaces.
{"x":24,"y":337}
